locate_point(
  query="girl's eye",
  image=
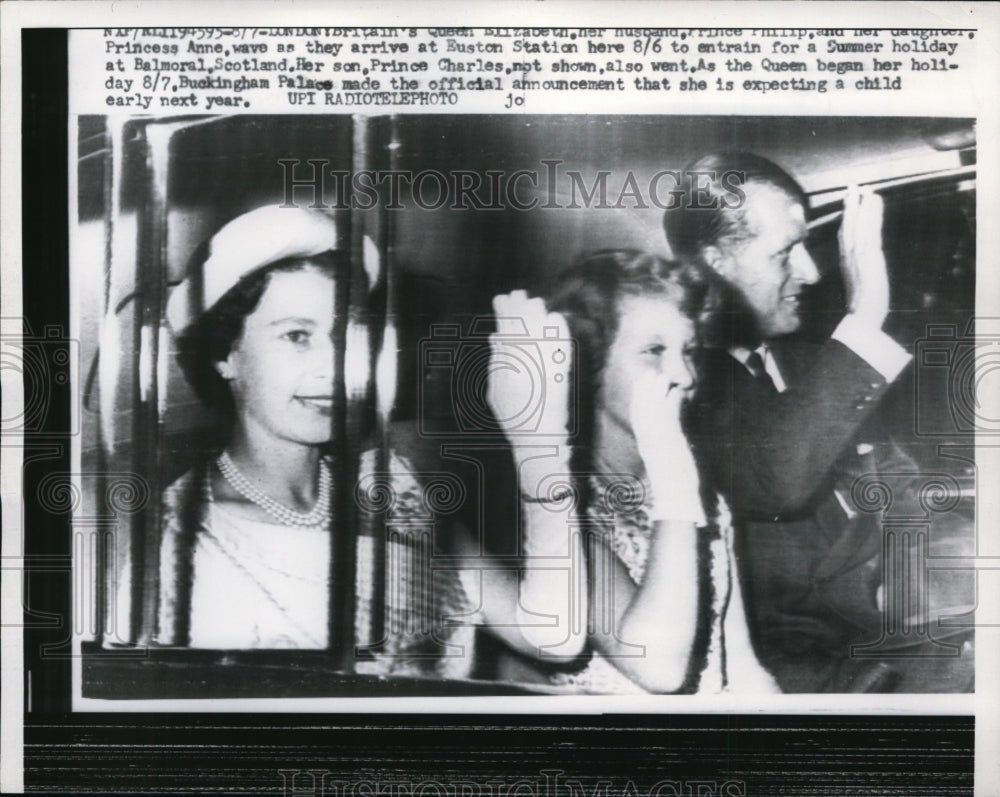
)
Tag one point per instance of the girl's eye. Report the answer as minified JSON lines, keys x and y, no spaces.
{"x":297,"y":336}
{"x":656,"y":349}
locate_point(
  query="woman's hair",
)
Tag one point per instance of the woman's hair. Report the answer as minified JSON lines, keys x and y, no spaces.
{"x":590,"y":295}
{"x":210,"y":339}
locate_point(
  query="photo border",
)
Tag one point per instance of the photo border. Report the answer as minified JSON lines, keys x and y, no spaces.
{"x":45,"y":247}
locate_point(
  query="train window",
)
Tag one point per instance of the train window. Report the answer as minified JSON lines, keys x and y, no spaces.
{"x":242,"y":319}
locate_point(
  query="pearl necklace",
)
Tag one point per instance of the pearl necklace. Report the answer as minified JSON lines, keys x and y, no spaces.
{"x":285,"y":515}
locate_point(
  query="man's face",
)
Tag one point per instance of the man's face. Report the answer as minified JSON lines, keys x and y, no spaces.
{"x":771,"y":265}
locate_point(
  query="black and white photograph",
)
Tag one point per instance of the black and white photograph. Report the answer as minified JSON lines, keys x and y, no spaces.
{"x":500,"y":409}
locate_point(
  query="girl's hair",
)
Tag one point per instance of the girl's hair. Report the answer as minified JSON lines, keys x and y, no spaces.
{"x":210,"y":339}
{"x":590,"y":294}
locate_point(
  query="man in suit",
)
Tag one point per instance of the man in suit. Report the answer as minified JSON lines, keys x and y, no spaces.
{"x":779,"y":424}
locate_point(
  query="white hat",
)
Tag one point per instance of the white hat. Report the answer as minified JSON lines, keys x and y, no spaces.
{"x":244,"y":245}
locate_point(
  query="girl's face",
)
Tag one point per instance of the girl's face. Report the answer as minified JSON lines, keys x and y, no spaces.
{"x":653,"y":337}
{"x":280,"y":369}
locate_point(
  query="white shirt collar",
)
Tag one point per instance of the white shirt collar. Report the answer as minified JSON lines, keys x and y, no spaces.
{"x":741,"y":354}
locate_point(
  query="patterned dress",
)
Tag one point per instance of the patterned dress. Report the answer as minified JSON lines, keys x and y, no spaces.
{"x":723,"y":656}
{"x":228,"y":581}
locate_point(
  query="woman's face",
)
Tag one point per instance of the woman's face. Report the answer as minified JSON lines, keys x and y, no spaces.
{"x":280,"y":369}
{"x":653,"y":337}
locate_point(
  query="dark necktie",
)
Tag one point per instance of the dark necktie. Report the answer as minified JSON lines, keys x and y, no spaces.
{"x":755,"y":365}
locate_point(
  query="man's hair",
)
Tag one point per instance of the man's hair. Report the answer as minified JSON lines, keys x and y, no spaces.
{"x":711,"y":207}
{"x":712,"y":212}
